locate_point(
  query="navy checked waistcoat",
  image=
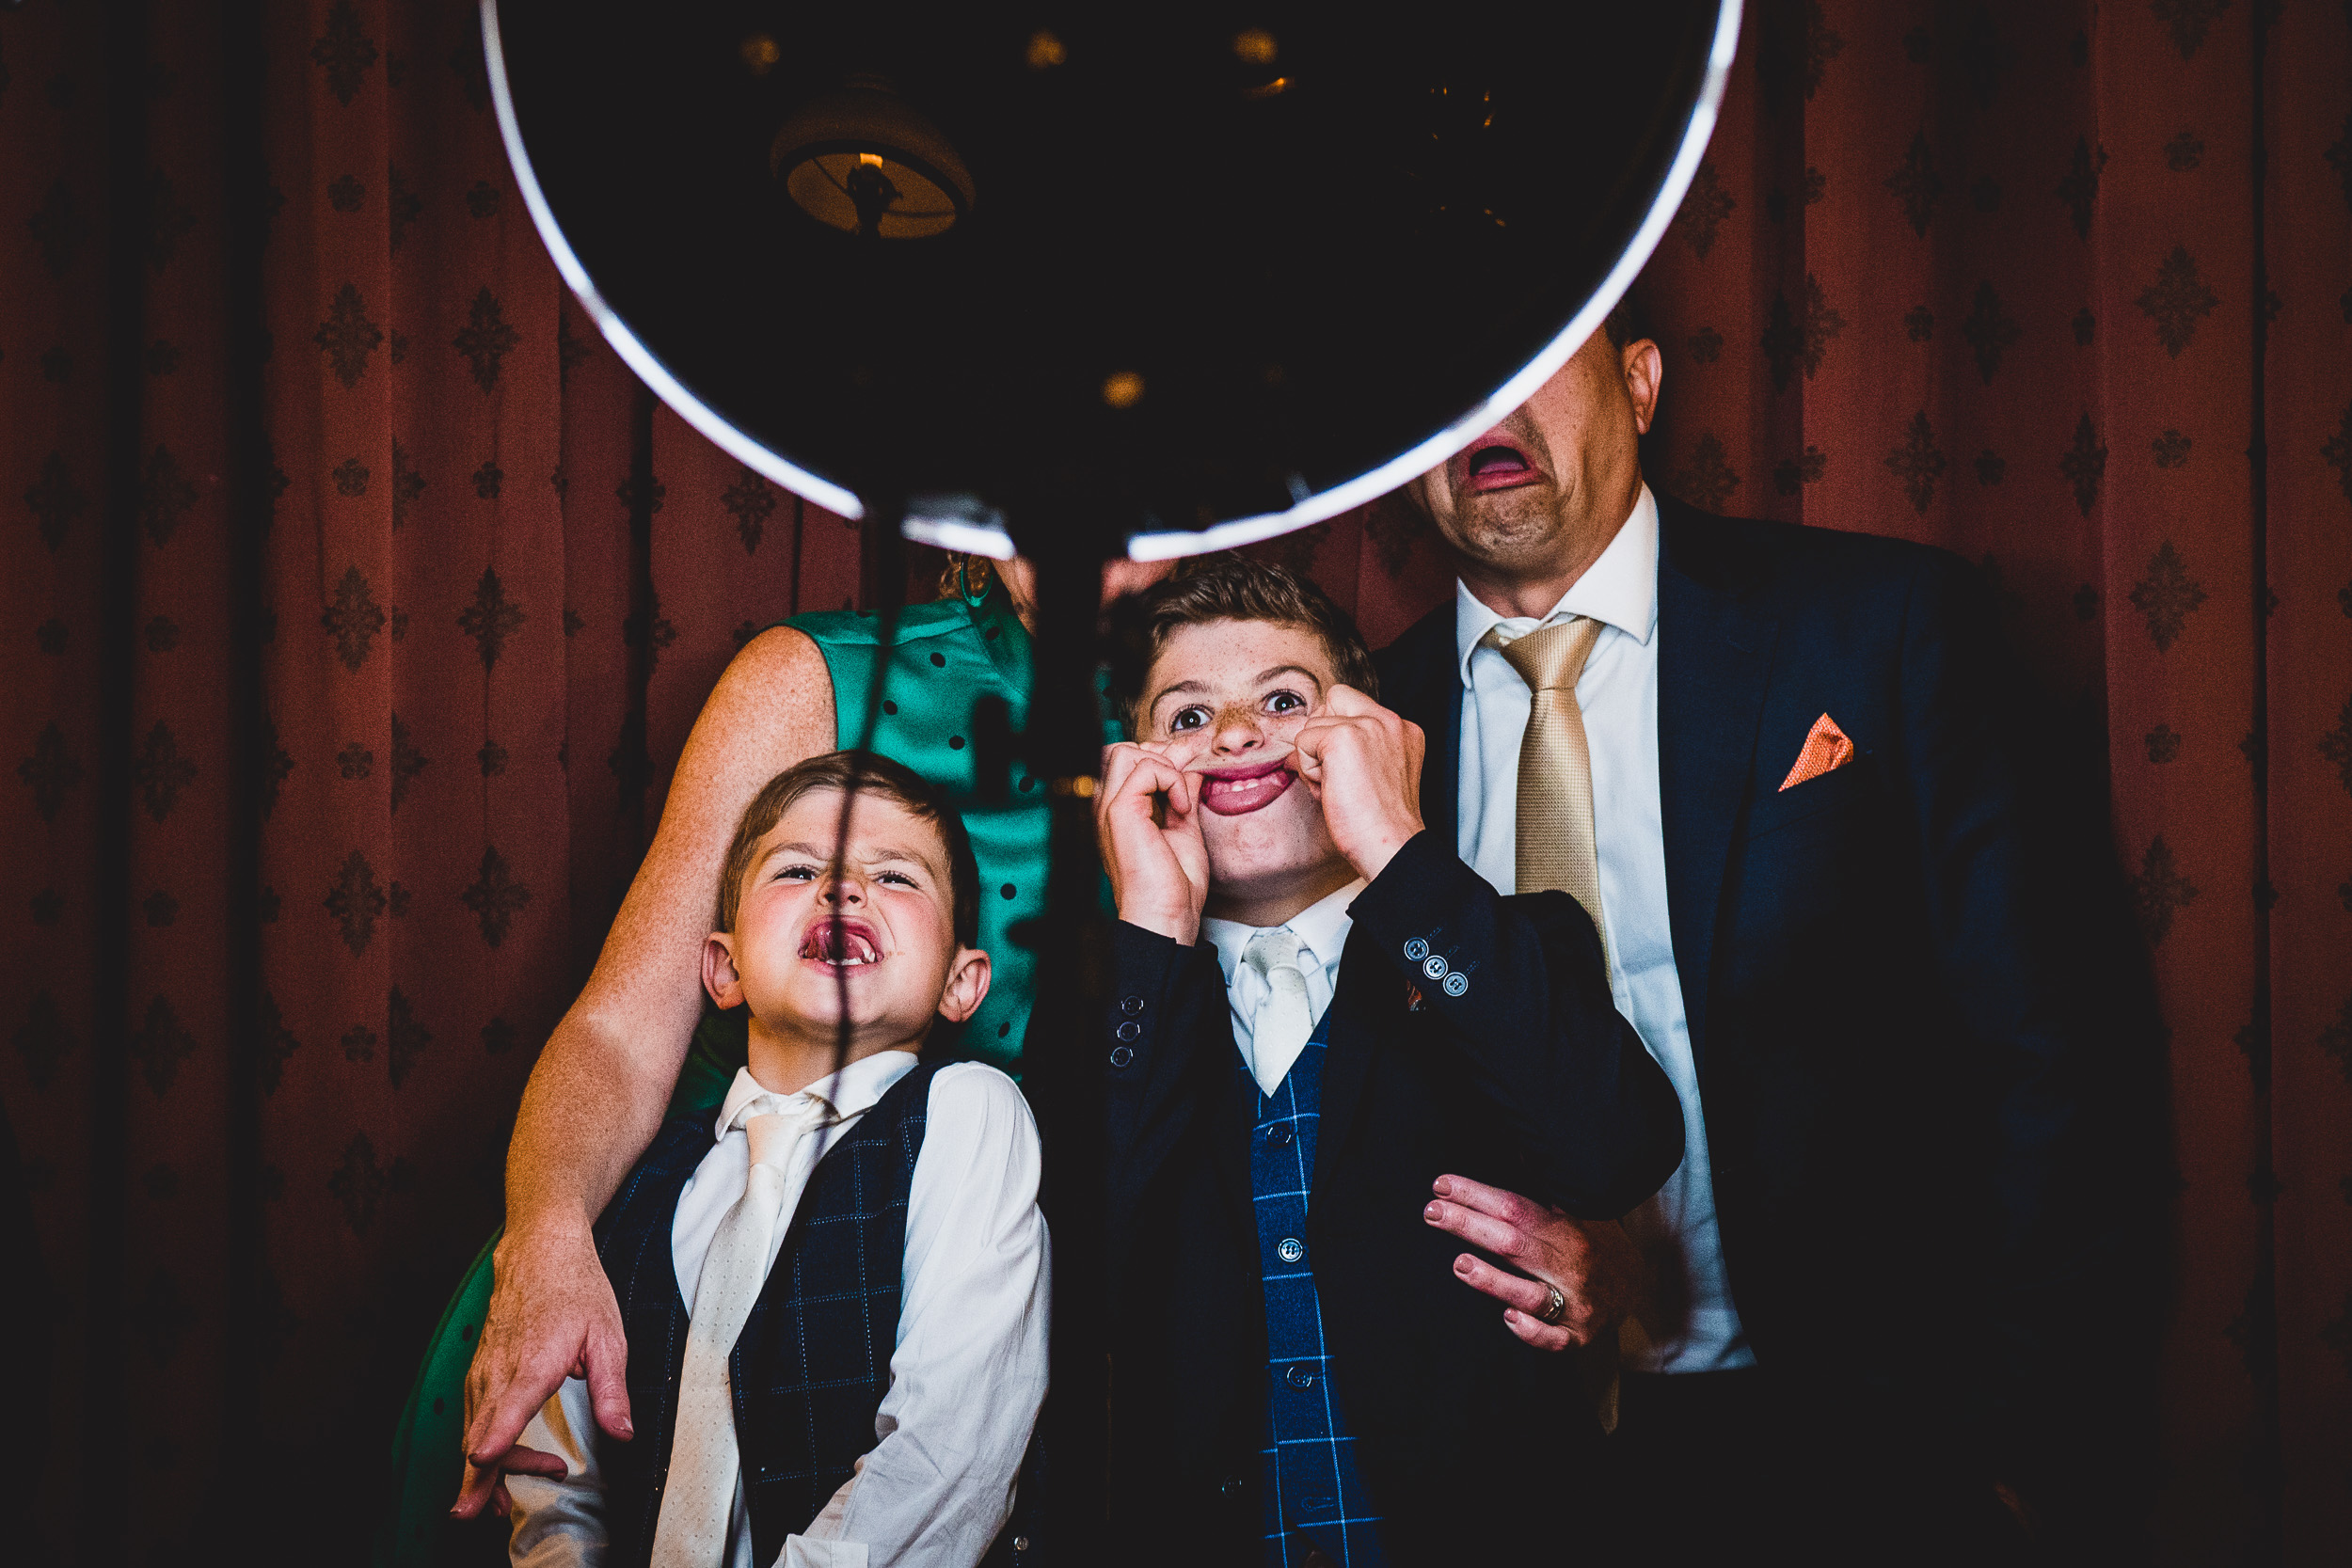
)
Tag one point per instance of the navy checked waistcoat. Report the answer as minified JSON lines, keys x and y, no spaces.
{"x":812,"y":1366}
{"x":1311,"y":1485}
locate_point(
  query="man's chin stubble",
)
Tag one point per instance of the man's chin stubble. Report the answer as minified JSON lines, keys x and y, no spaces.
{"x":1506,"y":535}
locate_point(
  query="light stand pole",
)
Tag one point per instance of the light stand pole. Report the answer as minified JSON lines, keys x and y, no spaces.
{"x":1064,"y":1054}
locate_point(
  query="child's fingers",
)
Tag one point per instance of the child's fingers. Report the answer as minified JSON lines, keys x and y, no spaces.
{"x":1131,"y":774}
{"x":520,"y":1461}
{"x":1118,"y":761}
{"x":475,"y":1493}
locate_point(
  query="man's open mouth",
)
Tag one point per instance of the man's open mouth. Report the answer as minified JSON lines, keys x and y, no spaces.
{"x":1246,"y":789}
{"x":1493,"y":462}
{"x":842,"y":945}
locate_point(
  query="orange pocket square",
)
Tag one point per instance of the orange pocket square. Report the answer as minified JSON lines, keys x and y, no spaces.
{"x":1826,"y":750}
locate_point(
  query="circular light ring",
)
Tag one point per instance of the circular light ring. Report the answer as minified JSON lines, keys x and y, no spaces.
{"x":632,"y":350}
{"x":964,"y":524}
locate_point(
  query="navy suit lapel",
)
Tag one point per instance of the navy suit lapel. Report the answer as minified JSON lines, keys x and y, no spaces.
{"x":1713,"y":667}
{"x":1354,"y":1023}
{"x":1422,"y":682}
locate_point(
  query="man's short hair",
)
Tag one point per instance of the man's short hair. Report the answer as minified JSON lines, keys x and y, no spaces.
{"x":1227,"y":587}
{"x":869,"y":774}
{"x":1626,"y":322}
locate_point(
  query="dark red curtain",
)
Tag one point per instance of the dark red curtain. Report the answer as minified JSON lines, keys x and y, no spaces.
{"x":356,"y":603}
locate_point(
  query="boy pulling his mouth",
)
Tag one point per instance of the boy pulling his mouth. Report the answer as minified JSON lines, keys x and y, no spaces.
{"x":835,"y":1297}
{"x":1297,"y":1373}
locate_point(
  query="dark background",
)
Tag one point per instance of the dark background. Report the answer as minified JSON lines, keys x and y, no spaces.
{"x":356,"y":603}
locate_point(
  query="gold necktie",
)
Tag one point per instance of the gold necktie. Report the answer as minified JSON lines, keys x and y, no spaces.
{"x":1555,"y":844}
{"x":1557,"y":850}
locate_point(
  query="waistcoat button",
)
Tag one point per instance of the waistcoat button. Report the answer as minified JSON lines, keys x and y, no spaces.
{"x":1291,"y":1249}
{"x":1122,"y":1055}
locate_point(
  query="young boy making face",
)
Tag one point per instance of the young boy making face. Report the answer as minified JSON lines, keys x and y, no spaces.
{"x":793,"y":943}
{"x":1296,"y":1368}
{"x":835,"y":1295}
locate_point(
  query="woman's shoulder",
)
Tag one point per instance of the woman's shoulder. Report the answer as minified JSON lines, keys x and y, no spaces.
{"x":863,"y":628}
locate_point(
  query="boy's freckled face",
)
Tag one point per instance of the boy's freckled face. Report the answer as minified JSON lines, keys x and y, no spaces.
{"x":1234,"y":691}
{"x":896,"y":900}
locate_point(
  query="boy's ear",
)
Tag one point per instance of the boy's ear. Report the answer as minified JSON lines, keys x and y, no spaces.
{"x":719,"y":977}
{"x":967,"y":985}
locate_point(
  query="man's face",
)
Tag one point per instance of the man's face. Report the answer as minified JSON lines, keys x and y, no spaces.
{"x":897,"y":939}
{"x":1547,"y":487}
{"x":1232,"y":690}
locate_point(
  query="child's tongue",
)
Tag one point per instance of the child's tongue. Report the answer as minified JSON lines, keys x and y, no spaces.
{"x":1230,"y":796}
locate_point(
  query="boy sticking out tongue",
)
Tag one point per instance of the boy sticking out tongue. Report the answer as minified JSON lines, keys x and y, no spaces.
{"x":1318,"y":1011}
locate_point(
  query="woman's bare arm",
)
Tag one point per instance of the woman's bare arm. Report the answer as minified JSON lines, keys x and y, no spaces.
{"x":597,"y":1095}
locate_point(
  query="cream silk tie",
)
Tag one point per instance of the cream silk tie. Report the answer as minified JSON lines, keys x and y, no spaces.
{"x":699,"y":1496}
{"x":1555,"y":846}
{"x":1285,"y":1018}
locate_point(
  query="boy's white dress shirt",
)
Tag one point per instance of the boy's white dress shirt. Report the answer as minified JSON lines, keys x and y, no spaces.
{"x":967,"y":1376}
{"x":1321,"y":930}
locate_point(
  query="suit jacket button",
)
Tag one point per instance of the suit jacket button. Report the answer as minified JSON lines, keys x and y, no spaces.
{"x":1122,"y":1055}
{"x":1131,"y":1004}
{"x":1230,"y":1486}
{"x":1416,"y":950}
{"x":1434,"y":967}
{"x":1457,"y":983}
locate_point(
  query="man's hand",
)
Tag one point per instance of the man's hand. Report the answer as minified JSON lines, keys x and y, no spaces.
{"x":1365,"y":765}
{"x":551,"y":1316}
{"x":1595,"y":1266}
{"x":1148,"y":823}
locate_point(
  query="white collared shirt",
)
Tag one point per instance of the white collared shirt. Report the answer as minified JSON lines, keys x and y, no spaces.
{"x":969,"y":1371}
{"x":1617,"y":693}
{"x":1321,"y":930}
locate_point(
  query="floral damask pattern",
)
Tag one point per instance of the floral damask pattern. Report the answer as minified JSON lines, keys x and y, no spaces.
{"x":2177,"y":300}
{"x":2167,"y":596}
{"x":347,"y":337}
{"x":1937,"y":262}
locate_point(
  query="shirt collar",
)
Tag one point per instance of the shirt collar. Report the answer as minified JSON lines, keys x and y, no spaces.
{"x":853,"y":1091}
{"x":1618,"y":590}
{"x":1322,"y":928}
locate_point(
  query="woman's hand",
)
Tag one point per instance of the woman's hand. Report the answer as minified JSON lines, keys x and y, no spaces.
{"x":552,"y":1316}
{"x":1148,"y":823}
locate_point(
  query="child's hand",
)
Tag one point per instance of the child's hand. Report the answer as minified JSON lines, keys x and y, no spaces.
{"x":1147,"y":821}
{"x":1365,"y":763}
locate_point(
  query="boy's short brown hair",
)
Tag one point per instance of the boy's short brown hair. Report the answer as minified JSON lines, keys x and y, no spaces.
{"x":869,"y":774}
{"x":1227,"y":587}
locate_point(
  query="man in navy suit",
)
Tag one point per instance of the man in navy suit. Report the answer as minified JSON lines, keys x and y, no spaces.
{"x":1885,"y":1293}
